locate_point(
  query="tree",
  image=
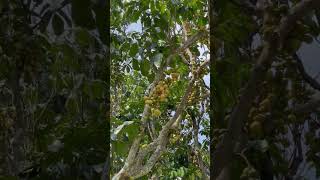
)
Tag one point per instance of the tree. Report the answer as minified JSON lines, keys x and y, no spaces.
{"x":263,"y":111}
{"x":53,"y":90}
{"x":159,"y":98}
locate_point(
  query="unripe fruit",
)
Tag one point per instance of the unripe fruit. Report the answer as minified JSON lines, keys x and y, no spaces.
{"x":252,"y":112}
{"x":265,"y":105}
{"x":259,"y":118}
{"x":163,"y":97}
{"x":148,"y":101}
{"x":283,"y":8}
{"x":227,"y":117}
{"x":292,"y":118}
{"x":269,"y":75}
{"x":174,"y":75}
{"x":256,"y":129}
{"x":265,"y":102}
{"x":155,"y":112}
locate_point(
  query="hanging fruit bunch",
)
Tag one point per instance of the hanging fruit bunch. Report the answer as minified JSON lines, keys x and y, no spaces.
{"x":195,"y":94}
{"x":258,"y":116}
{"x":158,"y":95}
{"x":174,"y":76}
{"x":7,"y":117}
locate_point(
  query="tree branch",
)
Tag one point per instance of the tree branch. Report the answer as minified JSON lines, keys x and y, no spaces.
{"x":308,"y":107}
{"x":312,"y":82}
{"x":162,"y":139}
{"x":223,"y":153}
{"x":204,"y":169}
{"x":136,"y":155}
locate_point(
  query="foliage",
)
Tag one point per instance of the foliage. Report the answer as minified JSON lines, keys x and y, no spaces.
{"x":145,"y":91}
{"x":273,"y":128}
{"x":54,"y":87}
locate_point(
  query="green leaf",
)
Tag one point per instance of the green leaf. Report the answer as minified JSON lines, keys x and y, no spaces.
{"x":135,"y":64}
{"x":308,"y":39}
{"x":127,"y":69}
{"x":132,"y":130}
{"x":135,"y":15}
{"x":156,"y":59}
{"x":121,"y":147}
{"x":134,"y":49}
{"x":151,"y":77}
{"x":102,"y":21}
{"x":83,"y":37}
{"x":293,"y":45}
{"x":261,"y":145}
{"x":115,"y":133}
{"x":1,"y":5}
{"x":8,"y":177}
{"x":81,"y":13}
{"x":72,"y":104}
{"x":58,"y":24}
{"x":70,"y":60}
{"x":98,"y":89}
{"x":145,"y":67}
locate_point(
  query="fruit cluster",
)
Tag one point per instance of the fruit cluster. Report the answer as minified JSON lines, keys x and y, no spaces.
{"x":174,"y":76}
{"x":194,"y":96}
{"x":257,"y":116}
{"x":158,"y":94}
{"x":7,"y":117}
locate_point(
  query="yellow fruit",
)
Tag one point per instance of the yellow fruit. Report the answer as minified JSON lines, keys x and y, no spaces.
{"x":148,"y":101}
{"x":292,"y":117}
{"x":145,"y":97}
{"x":175,"y":139}
{"x":156,"y":112}
{"x":174,"y":75}
{"x":266,"y":102}
{"x":163,"y":99}
{"x":256,"y":128}
{"x":259,"y":118}
{"x":252,"y":112}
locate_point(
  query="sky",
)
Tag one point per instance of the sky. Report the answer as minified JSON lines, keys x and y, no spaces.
{"x":310,"y":54}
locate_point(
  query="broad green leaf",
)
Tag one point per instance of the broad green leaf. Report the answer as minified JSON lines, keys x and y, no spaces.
{"x":135,"y":64}
{"x":72,"y":104}
{"x":156,"y":59}
{"x":102,"y":20}
{"x":98,"y":88}
{"x":133,"y":49}
{"x":58,"y":24}
{"x":83,"y":37}
{"x":145,"y":67}
{"x":82,"y":13}
{"x":119,"y":128}
{"x":1,"y":5}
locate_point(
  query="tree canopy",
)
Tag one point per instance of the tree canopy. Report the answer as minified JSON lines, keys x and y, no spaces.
{"x":53,"y":89}
{"x":177,"y":89}
{"x":160,"y":100}
{"x":263,"y":98}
